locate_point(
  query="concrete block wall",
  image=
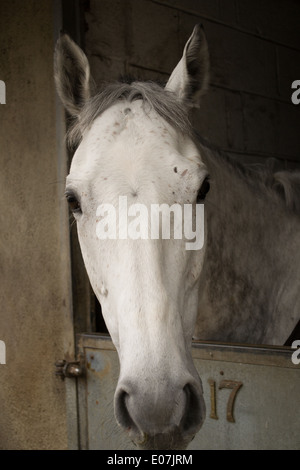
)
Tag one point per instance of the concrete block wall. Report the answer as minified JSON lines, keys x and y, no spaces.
{"x":255,"y":56}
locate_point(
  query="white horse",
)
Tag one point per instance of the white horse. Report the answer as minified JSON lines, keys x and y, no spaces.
{"x":135,"y":140}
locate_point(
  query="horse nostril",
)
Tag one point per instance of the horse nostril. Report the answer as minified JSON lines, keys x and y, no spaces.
{"x":121,"y":411}
{"x":194,"y":413}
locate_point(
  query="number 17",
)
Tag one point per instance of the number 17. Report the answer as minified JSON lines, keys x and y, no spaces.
{"x":231,"y":384}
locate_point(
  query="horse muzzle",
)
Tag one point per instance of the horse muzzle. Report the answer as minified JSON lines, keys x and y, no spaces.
{"x":160,"y":416}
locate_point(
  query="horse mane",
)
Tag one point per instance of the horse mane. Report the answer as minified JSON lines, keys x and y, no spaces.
{"x":153,"y":95}
{"x":288,"y":184}
{"x":284,"y":185}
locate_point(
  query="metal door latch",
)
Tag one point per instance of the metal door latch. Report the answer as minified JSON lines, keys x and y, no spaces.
{"x":68,"y":369}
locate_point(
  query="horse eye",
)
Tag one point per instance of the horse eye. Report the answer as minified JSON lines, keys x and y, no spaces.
{"x":73,"y":203}
{"x":203,"y":190}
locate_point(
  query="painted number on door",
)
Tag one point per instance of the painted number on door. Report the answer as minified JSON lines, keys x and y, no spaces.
{"x":230,"y":384}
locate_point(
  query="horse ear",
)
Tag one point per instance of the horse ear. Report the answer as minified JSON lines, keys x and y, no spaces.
{"x":72,"y":74}
{"x":189,"y":80}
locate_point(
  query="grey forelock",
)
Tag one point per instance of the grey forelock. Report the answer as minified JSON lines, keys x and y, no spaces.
{"x":163,"y":102}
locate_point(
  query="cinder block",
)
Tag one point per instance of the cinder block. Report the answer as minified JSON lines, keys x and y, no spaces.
{"x":234,"y":120}
{"x":207,"y":8}
{"x":214,"y":9}
{"x":261,"y":125}
{"x":146,"y":74}
{"x":277,"y":20}
{"x":228,"y":12}
{"x":220,"y":119}
{"x":109,"y":26}
{"x":105,"y":70}
{"x":154,"y":36}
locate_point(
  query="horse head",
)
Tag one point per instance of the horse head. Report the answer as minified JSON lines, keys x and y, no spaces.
{"x":136,"y":146}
